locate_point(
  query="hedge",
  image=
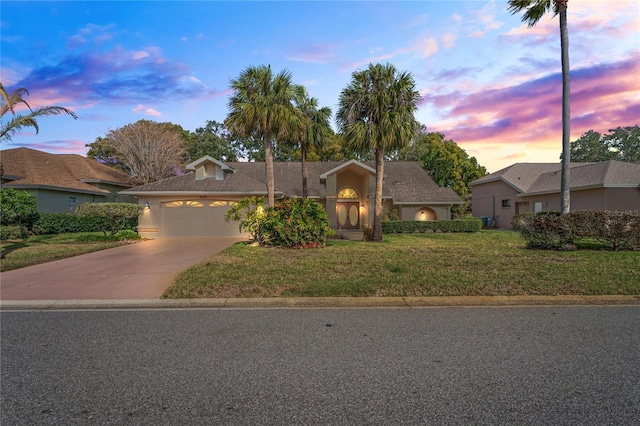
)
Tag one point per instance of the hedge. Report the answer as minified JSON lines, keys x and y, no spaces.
{"x":620,"y":230}
{"x":471,"y":224}
{"x":64,"y":223}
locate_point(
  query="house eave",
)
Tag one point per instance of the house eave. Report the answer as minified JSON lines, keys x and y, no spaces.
{"x":56,"y":188}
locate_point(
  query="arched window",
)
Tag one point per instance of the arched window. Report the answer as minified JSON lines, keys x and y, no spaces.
{"x":348,"y":193}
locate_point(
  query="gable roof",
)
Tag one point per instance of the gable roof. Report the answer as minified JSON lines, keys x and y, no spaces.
{"x":29,"y":168}
{"x":537,"y":178}
{"x":405,"y":182}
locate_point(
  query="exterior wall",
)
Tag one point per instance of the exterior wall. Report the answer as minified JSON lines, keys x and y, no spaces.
{"x":51,"y":201}
{"x":57,"y":201}
{"x":487,"y":201}
{"x":411,"y":213}
{"x":591,"y":199}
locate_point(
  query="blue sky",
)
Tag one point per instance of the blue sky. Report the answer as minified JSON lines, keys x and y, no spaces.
{"x":487,"y":81}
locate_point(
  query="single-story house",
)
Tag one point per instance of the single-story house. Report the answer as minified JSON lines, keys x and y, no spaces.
{"x":195,"y":204}
{"x":62,"y":182}
{"x":535,"y":187}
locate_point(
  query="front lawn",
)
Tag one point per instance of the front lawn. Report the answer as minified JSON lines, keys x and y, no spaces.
{"x":46,"y":248}
{"x":484,"y":263}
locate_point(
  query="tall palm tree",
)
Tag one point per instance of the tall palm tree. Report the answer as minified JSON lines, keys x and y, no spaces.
{"x":9,"y":102}
{"x":261,"y":106}
{"x":376,"y":112}
{"x":315,"y":133}
{"x":534,"y":11}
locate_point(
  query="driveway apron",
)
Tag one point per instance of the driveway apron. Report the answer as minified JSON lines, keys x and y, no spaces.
{"x":136,"y":271}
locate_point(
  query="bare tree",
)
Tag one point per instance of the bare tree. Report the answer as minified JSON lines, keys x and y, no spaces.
{"x":150,"y":151}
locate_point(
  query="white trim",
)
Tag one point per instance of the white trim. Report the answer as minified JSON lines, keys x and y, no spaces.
{"x":206,"y":158}
{"x":348,"y":163}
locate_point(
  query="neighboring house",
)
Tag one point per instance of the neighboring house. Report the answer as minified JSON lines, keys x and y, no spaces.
{"x":62,"y":182}
{"x":531,"y":187}
{"x":195,"y":204}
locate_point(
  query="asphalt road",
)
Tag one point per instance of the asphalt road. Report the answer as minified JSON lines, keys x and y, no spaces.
{"x":534,"y":365}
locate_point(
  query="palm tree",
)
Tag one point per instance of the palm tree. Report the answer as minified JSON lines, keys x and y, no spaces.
{"x":375,"y":112}
{"x":315,"y":133}
{"x":261,"y":106}
{"x":9,"y":102}
{"x":19,"y":121}
{"x":534,"y":11}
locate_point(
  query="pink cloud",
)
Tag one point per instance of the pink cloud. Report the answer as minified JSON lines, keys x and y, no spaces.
{"x":529,"y":114}
{"x":142,"y":109}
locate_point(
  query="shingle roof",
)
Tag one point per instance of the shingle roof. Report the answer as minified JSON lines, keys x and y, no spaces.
{"x":405,"y":182}
{"x":31,"y":168}
{"x":545,"y":177}
{"x":589,"y":175}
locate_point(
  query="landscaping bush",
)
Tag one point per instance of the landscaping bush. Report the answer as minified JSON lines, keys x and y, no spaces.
{"x":545,"y":230}
{"x":292,"y":222}
{"x":13,"y":232}
{"x":112,"y":217}
{"x":471,"y":224}
{"x":619,"y":230}
{"x":17,"y":208}
{"x":66,"y":223}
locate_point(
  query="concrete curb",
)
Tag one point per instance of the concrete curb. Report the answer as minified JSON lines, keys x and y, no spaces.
{"x":319,"y":302}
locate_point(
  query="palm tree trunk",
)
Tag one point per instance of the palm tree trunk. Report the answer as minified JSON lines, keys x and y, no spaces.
{"x":268,"y":166}
{"x":565,"y":185}
{"x":377,"y":211}
{"x":305,"y":172}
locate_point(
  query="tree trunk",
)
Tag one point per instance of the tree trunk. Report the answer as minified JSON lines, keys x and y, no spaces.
{"x":377,"y":211}
{"x":268,"y":166}
{"x":305,"y":172}
{"x":565,"y":185}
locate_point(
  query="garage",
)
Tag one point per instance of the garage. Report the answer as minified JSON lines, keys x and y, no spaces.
{"x":197,"y":218}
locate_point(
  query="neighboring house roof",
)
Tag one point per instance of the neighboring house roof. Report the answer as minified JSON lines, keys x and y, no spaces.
{"x":405,"y":182}
{"x":538,"y":178}
{"x":29,"y":168}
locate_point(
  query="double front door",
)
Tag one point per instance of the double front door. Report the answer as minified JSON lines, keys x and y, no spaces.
{"x":349,"y":215}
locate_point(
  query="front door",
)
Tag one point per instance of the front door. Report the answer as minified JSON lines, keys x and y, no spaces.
{"x":348,"y":215}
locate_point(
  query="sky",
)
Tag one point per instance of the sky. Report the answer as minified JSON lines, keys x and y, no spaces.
{"x":487,"y":81}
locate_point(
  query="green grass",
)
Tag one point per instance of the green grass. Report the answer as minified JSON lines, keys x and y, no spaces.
{"x":46,"y":248}
{"x":483,"y":263}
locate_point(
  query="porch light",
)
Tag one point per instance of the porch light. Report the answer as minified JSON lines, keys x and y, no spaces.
{"x":146,"y":205}
{"x":421,"y":214}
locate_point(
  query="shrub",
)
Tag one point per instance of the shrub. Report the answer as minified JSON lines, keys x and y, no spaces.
{"x":13,"y":232}
{"x":17,"y":208}
{"x":111,"y":216}
{"x":620,"y":230}
{"x":64,"y":223}
{"x":292,"y":222}
{"x":471,"y":224}
{"x":545,"y":230}
{"x":295,"y":222}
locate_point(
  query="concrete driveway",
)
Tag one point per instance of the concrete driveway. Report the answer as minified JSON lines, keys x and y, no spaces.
{"x":136,"y":271}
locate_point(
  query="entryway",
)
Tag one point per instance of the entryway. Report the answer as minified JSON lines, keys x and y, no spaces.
{"x":348,"y":215}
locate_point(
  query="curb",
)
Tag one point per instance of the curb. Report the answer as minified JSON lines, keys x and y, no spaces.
{"x":320,"y":302}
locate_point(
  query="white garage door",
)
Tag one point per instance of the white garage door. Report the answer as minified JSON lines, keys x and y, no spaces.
{"x":197,"y":218}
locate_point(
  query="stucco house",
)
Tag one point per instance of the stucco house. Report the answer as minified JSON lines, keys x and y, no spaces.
{"x":62,"y":182}
{"x":195,"y":204}
{"x":535,"y":187}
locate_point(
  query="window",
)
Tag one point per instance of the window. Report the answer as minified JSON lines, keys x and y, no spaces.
{"x":348,"y":193}
{"x":506,"y":204}
{"x":72,"y":204}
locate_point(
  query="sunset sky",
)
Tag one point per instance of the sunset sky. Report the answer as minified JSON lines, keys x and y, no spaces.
{"x":487,"y":81}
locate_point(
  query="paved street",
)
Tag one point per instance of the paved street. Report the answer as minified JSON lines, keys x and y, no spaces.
{"x":497,"y":365}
